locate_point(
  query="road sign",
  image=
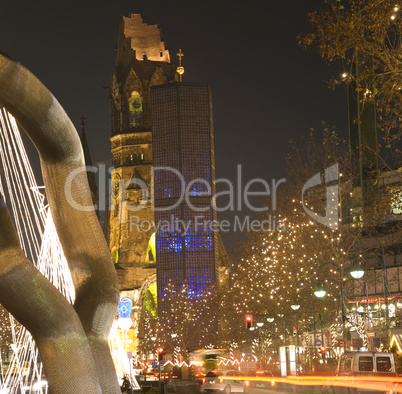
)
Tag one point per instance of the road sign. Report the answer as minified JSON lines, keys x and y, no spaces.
{"x":318,"y":342}
{"x":248,"y":354}
{"x":154,"y":364}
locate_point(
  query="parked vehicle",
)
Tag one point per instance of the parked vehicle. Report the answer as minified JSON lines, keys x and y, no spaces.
{"x":363,"y":364}
{"x":367,"y":364}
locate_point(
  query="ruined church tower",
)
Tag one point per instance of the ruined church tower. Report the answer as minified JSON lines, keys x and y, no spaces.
{"x":142,"y":61}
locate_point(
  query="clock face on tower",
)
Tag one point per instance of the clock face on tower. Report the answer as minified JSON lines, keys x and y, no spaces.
{"x":115,"y":185}
{"x":135,"y":110}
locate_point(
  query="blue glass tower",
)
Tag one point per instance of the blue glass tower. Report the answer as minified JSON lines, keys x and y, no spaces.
{"x":184,"y":174}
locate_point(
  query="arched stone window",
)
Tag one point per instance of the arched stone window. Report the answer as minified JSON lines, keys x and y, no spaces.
{"x":150,"y":255}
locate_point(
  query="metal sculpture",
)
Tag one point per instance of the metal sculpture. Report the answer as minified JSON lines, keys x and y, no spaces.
{"x":72,"y":339}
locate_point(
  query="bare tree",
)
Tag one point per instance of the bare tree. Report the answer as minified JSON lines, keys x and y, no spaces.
{"x":366,"y":33}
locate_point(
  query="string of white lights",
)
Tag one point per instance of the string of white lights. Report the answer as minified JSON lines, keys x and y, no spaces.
{"x":40,"y":243}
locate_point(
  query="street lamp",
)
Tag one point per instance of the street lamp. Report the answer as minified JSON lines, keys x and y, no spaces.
{"x":320,"y":291}
{"x":295,"y":307}
{"x":384,"y":285}
{"x":356,"y":271}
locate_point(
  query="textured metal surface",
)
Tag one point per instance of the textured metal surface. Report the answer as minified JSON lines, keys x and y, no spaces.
{"x":63,"y":338}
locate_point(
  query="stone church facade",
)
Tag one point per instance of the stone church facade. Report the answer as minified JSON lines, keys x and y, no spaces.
{"x":142,"y":61}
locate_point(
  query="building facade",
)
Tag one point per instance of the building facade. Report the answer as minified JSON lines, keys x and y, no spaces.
{"x":184,"y":174}
{"x":157,"y":121}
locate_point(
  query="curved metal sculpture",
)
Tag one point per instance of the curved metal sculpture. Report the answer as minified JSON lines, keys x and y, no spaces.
{"x":72,"y":339}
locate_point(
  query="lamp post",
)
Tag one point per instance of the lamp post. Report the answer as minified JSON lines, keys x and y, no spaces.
{"x":356,"y":272}
{"x":296,"y":307}
{"x":384,"y":285}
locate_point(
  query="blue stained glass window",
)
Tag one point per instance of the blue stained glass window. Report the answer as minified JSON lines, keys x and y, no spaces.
{"x":193,"y":291}
{"x":199,"y":189}
{"x":198,"y":243}
{"x":199,"y":276}
{"x":167,"y":190}
{"x":166,"y":245}
{"x":167,"y":223}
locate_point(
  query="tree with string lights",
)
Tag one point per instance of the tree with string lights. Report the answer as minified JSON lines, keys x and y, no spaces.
{"x":5,"y":332}
{"x":276,"y":269}
{"x":190,"y":321}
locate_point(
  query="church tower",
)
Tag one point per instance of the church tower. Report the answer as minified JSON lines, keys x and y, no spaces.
{"x":142,"y":61}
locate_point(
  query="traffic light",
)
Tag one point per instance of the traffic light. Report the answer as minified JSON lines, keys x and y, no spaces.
{"x":161,"y":352}
{"x":322,"y":350}
{"x":249,"y":320}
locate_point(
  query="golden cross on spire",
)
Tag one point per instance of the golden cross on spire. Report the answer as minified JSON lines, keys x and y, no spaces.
{"x":180,"y":69}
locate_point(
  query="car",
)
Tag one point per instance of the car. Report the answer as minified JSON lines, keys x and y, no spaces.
{"x":217,"y":380}
{"x":265,"y":381}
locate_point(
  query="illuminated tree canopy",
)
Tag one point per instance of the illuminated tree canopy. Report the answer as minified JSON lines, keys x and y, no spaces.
{"x":276,"y":269}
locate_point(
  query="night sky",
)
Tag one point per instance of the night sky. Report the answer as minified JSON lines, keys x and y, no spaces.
{"x":266,"y":89}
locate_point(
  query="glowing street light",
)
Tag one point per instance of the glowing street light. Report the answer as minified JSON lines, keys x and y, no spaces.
{"x":319,"y":291}
{"x":357,"y":271}
{"x":384,"y":284}
{"x":295,"y":307}
{"x":270,"y":319}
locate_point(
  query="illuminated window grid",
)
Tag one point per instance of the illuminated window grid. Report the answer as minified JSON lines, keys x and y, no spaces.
{"x":200,"y":276}
{"x":199,"y":260}
{"x":171,"y":261}
{"x":196,"y":157}
{"x":167,"y":245}
{"x":167,"y":190}
{"x":198,"y":243}
{"x":197,"y":141}
{"x":166,"y":226}
{"x":192,"y":124}
{"x":193,"y":173}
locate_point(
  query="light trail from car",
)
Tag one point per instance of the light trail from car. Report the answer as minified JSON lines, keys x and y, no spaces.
{"x":380,"y":383}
